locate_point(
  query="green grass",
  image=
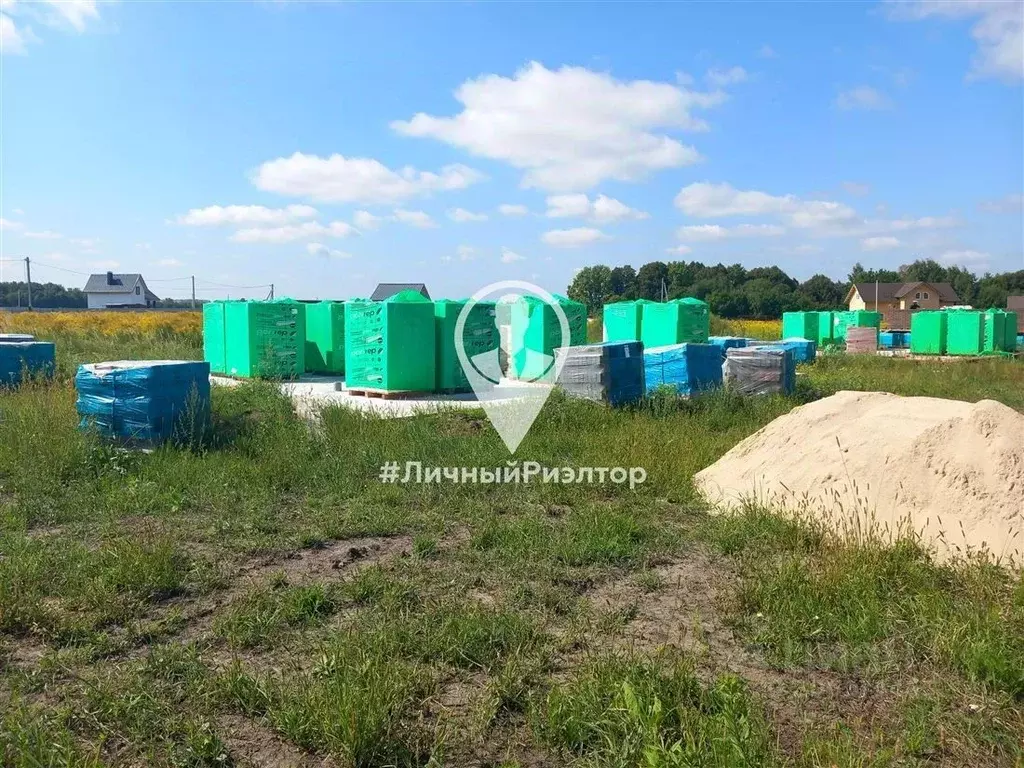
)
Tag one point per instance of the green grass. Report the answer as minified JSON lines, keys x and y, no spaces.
{"x":144,"y":598}
{"x":624,"y":712}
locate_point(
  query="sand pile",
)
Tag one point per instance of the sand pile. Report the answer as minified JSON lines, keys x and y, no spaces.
{"x":953,"y":471}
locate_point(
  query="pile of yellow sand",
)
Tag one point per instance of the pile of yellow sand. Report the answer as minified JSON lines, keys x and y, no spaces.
{"x":952,"y":471}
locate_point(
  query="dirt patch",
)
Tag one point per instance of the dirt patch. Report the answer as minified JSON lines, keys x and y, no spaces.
{"x":690,"y":610}
{"x":252,"y":743}
{"x":335,"y":561}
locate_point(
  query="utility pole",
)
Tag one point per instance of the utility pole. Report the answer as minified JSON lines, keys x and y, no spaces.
{"x":193,"y":291}
{"x":271,"y":291}
{"x":28,"y":278}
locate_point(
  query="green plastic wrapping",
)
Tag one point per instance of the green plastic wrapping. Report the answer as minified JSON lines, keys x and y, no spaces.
{"x":826,"y":324}
{"x":325,"y":337}
{"x":391,"y":345}
{"x":928,"y":332}
{"x":855,"y":318}
{"x":264,"y":339}
{"x":800,"y":325}
{"x":623,"y":320}
{"x":681,"y":321}
{"x":479,"y":335}
{"x":1010,"y":331}
{"x":994,"y":330}
{"x":965,"y":333}
{"x":534,"y":322}
{"x":214,"y":339}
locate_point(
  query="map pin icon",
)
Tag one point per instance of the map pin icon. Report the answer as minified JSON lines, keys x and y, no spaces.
{"x":512,"y":405}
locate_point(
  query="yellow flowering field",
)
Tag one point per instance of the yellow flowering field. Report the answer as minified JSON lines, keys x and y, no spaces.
{"x":751,"y":329}
{"x":99,"y":322}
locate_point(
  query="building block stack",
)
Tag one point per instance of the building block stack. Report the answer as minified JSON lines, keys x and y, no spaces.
{"x":536,"y":332}
{"x":391,"y":345}
{"x":760,"y":370}
{"x":18,"y":358}
{"x":611,"y":372}
{"x":687,"y":368}
{"x":479,"y":336}
{"x":928,"y":331}
{"x":149,"y":401}
{"x":325,"y":337}
{"x":623,"y":320}
{"x":680,"y":321}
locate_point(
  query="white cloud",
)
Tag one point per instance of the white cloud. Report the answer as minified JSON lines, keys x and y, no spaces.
{"x":965,"y":257}
{"x":767,"y":52}
{"x":862,"y":97}
{"x":679,"y":250}
{"x":44,"y":235}
{"x":144,"y":246}
{"x":169,"y":263}
{"x":820,"y":217}
{"x":75,"y":13}
{"x":571,"y":128}
{"x":879,"y":243}
{"x":319,"y":249}
{"x":573,"y":238}
{"x":18,"y":212}
{"x":466,"y":253}
{"x":721,"y":78}
{"x":291,"y":232}
{"x":706,"y":200}
{"x":67,"y":14}
{"x":602,"y":209}
{"x":710,"y":232}
{"x":12,"y":42}
{"x":998,"y":31}
{"x":1013,"y":203}
{"x":508,"y":209}
{"x":446,"y":259}
{"x":855,"y":188}
{"x":10,"y":225}
{"x":417,"y":219}
{"x":340,"y":179}
{"x":462,"y":215}
{"x":366,"y":220}
{"x":216,"y":215}
{"x":508,"y":256}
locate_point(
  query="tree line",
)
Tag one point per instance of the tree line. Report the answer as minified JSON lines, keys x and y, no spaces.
{"x":767,"y":292}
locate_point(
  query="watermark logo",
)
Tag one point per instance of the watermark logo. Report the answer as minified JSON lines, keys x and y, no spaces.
{"x":512,"y":399}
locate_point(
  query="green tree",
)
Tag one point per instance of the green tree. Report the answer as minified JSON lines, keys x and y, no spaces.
{"x":591,"y":286}
{"x":821,"y":292}
{"x":624,"y":283}
{"x":649,"y":279}
{"x":860,"y":275}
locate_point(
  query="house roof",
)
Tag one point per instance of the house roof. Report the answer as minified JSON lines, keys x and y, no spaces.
{"x":1015,"y":302}
{"x":892,"y":291}
{"x":387,"y":290}
{"x":117,"y":283}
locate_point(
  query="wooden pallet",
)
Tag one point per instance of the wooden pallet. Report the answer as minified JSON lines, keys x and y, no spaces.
{"x":387,"y":394}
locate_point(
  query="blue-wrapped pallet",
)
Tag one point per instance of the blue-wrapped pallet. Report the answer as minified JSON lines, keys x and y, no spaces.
{"x":727,"y":342}
{"x":888,"y":340}
{"x":689,"y":368}
{"x":804,"y":350}
{"x":760,"y":370}
{"x":20,"y":357}
{"x":611,"y":372}
{"x":144,"y":400}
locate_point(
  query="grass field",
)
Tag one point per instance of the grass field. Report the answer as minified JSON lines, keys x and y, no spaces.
{"x":260,"y":598}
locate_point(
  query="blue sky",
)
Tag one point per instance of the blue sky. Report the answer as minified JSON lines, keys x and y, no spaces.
{"x":325,"y":147}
